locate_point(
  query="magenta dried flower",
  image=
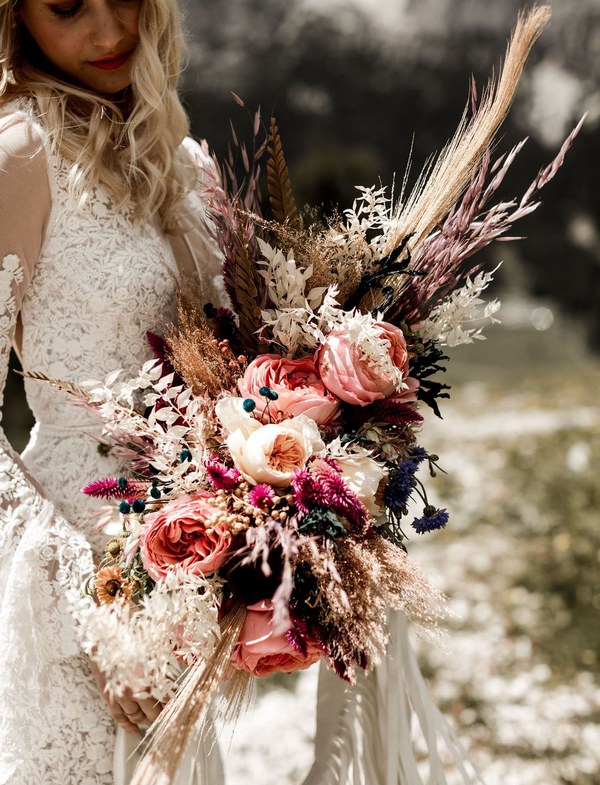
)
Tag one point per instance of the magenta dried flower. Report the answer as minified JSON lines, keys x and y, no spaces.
{"x":261,"y":495}
{"x":308,"y":491}
{"x":116,"y":488}
{"x":321,"y":485}
{"x":338,"y":495}
{"x":221,"y":477}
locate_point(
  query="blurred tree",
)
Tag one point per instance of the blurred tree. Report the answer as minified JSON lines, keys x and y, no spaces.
{"x":357,"y":84}
{"x":353,"y":97}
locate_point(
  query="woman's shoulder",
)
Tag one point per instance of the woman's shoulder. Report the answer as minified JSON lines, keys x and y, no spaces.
{"x":22,"y":141}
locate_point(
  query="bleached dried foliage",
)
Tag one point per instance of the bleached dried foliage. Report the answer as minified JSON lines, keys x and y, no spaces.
{"x":462,"y":316}
{"x":145,"y":647}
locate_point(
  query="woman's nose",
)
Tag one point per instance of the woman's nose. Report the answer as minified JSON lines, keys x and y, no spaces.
{"x":107,"y":28}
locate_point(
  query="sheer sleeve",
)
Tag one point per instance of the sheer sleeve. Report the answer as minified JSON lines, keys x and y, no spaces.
{"x":43,"y":558}
{"x":24,"y":210}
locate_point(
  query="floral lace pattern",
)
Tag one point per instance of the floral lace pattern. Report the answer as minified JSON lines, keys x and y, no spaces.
{"x":100,"y":282}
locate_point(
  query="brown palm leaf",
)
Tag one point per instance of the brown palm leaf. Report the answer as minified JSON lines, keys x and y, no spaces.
{"x":246,"y":292}
{"x":281,"y":197}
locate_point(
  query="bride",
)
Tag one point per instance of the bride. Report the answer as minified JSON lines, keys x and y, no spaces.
{"x":101,"y":223}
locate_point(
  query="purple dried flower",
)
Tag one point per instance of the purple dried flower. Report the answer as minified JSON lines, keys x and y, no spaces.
{"x":162,"y":351}
{"x":261,"y":495}
{"x":221,"y":477}
{"x":432,"y":519}
{"x":222,"y":322}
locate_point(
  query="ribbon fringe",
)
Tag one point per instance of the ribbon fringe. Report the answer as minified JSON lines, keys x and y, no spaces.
{"x":369,"y":734}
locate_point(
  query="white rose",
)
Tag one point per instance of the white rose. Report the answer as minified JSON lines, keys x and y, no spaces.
{"x":268,"y":453}
{"x":363,"y":475}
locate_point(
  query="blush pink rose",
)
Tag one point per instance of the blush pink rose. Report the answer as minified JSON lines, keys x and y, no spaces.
{"x":261,"y":652}
{"x":409,"y":394}
{"x":348,"y":374}
{"x":176,"y":535}
{"x":297,"y":383}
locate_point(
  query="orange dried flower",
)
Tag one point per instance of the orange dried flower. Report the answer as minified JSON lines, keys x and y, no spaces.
{"x":110,"y":585}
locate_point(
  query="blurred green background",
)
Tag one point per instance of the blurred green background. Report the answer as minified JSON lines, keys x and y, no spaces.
{"x":356,"y":85}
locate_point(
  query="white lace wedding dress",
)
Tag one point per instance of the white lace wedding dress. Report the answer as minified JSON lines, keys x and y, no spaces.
{"x":86,"y":287}
{"x":78,"y":291}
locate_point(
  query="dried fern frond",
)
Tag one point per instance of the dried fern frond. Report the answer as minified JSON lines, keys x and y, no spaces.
{"x":279,"y":188}
{"x":60,"y":384}
{"x":184,"y":719}
{"x":441,"y":185}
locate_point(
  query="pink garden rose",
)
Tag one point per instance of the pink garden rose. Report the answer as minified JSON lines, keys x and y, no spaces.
{"x":356,"y":379}
{"x":409,"y":394}
{"x":297,"y":383}
{"x":261,"y":652}
{"x":177,"y":535}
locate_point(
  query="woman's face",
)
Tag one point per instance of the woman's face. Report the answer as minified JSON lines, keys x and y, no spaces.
{"x":91,"y":42}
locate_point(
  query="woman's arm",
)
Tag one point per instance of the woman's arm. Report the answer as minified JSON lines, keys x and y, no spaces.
{"x":24,"y":212}
{"x":25,"y":208}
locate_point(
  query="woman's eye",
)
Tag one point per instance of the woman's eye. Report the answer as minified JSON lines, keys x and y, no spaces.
{"x":65,"y":12}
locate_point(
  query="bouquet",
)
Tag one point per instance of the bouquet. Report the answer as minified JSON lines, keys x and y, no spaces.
{"x":271,"y":449}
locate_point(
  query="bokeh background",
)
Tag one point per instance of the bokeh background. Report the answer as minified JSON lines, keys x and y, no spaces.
{"x":355,"y":86}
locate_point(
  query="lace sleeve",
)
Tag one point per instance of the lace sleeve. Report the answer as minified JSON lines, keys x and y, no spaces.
{"x":25,"y":206}
{"x":24,"y":210}
{"x":43,"y":558}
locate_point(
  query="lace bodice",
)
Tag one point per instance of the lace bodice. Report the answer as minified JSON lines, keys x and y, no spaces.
{"x":86,"y":284}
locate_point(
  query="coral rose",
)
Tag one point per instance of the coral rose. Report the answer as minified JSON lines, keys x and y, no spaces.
{"x":261,"y":651}
{"x":177,"y":535}
{"x":297,"y":383}
{"x":360,"y":378}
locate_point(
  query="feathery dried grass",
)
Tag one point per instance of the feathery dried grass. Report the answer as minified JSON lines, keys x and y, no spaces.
{"x":357,"y":581}
{"x":184,"y":719}
{"x":196,"y":356}
{"x":438,"y":189}
{"x":314,"y":247}
{"x":68,"y":387}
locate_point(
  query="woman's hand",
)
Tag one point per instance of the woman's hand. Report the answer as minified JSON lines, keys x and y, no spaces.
{"x":129,"y":712}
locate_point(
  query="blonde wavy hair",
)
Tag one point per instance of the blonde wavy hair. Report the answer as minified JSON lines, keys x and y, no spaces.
{"x":132,"y":148}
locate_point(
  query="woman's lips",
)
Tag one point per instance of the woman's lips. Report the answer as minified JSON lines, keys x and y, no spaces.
{"x":113,"y":62}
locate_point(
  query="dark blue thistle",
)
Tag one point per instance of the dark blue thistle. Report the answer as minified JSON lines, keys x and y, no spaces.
{"x":432,"y":519}
{"x":402,"y":483}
